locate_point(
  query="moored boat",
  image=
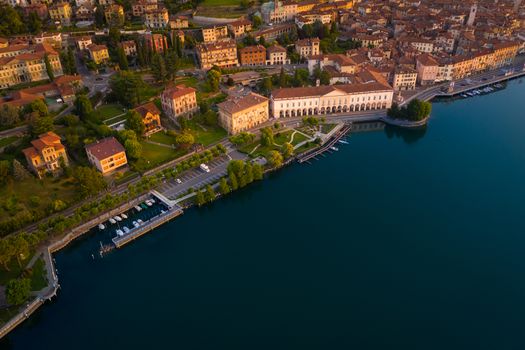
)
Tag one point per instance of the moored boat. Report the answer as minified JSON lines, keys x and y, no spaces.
{"x":113,"y":221}
{"x":101,"y":226}
{"x":124,"y":216}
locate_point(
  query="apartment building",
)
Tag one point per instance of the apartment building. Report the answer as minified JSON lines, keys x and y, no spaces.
{"x":214,"y":33}
{"x":307,"y":47}
{"x":107,"y":155}
{"x":179,"y":101}
{"x":98,"y":53}
{"x":222,"y":54}
{"x":253,"y":55}
{"x":61,"y":12}
{"x":157,"y":18}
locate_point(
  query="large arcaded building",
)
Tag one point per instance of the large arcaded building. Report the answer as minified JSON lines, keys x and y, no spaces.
{"x":25,"y":63}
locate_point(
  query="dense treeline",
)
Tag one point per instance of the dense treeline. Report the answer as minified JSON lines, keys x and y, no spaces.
{"x":416,"y":110}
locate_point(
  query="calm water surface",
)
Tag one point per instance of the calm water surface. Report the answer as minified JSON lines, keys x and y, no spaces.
{"x":401,"y":240}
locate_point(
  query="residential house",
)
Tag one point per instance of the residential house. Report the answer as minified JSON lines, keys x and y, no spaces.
{"x":61,"y":12}
{"x":107,"y":155}
{"x":179,"y":101}
{"x":307,"y":47}
{"x":150,"y":117}
{"x":276,"y":55}
{"x":98,"y":53}
{"x":46,"y":154}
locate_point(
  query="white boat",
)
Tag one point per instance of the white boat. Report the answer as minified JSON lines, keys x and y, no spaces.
{"x":334,"y":148}
{"x":149,"y":204}
{"x":137,"y":208}
{"x":113,"y":221}
{"x":136,"y":224}
{"x":126,"y":229}
{"x":118,"y":218}
{"x":119,"y":232}
{"x":162,"y":211}
{"x":124,"y":216}
{"x":343,"y":142}
{"x":140,"y":222}
{"x":152,"y":200}
{"x":101,"y":226}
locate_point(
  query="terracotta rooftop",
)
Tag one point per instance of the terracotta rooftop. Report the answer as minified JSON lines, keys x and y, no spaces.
{"x":147,"y":107}
{"x":235,"y":105}
{"x":105,"y":148}
{"x":317,"y":91}
{"x":177,"y":91}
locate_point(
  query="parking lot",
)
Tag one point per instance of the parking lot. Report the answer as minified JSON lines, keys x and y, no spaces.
{"x":197,"y":178}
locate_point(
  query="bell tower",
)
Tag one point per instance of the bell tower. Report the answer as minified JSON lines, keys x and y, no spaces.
{"x":472,"y":15}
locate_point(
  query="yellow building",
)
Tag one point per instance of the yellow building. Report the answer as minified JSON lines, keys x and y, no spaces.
{"x":150,"y":117}
{"x":241,"y":114}
{"x":61,"y":12}
{"x":114,"y":14}
{"x":157,"y":18}
{"x":307,"y":47}
{"x":45,"y":153}
{"x":24,"y":63}
{"x":215,"y":33}
{"x":107,"y":155}
{"x":222,"y":54}
{"x":179,"y":101}
{"x":98,"y":53}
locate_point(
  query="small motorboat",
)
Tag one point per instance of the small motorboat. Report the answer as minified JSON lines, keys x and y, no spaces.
{"x":343,"y":142}
{"x":124,"y":216}
{"x":118,"y":218}
{"x":126,"y":229}
{"x":113,"y":221}
{"x":149,"y":204}
{"x":101,"y":226}
{"x":143,"y":206}
{"x":140,"y":222}
{"x":334,"y":148}
{"x":137,"y":208}
{"x":119,"y":232}
{"x":152,"y":201}
{"x":162,"y":211}
{"x":136,"y":224}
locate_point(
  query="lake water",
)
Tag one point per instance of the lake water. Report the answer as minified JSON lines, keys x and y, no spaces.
{"x":401,"y":240}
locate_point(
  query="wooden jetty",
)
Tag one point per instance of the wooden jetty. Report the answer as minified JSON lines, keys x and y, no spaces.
{"x":327,"y":146}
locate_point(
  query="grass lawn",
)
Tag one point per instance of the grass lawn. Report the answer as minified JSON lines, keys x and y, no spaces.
{"x":155,"y":155}
{"x":7,"y":314}
{"x":33,"y":194}
{"x":162,"y":137}
{"x":110,"y":111}
{"x":214,"y":8}
{"x":206,"y":134}
{"x":221,"y":3}
{"x":38,"y":277}
{"x":326,"y":128}
{"x":298,"y":138}
{"x":8,"y":140}
{"x":188,"y":81}
{"x":15,"y":270}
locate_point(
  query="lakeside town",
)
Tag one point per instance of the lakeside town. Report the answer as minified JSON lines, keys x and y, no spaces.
{"x":110,"y":108}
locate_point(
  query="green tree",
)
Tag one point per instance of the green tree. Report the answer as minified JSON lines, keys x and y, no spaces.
{"x":223,"y":186}
{"x":88,"y":180}
{"x":7,"y":251}
{"x":10,"y":21}
{"x":49,"y":68}
{"x":38,"y":106}
{"x":17,"y":291}
{"x":9,"y":115}
{"x":267,"y":85}
{"x":127,"y":88}
{"x":83,"y":106}
{"x":133,"y":148}
{"x":325,"y":77}
{"x":5,"y":168}
{"x":210,"y":194}
{"x":21,"y":248}
{"x":199,"y":198}
{"x":213,"y":77}
{"x":158,"y":68}
{"x":267,"y":138}
{"x":257,"y":172}
{"x":275,"y":159}
{"x":40,"y":125}
{"x":257,"y":21}
{"x":122,"y":59}
{"x":287,"y":150}
{"x":185,"y":139}
{"x":172,"y":63}
{"x":34,"y":23}
{"x":233,"y":180}
{"x":135,"y":122}
{"x":242,"y":138}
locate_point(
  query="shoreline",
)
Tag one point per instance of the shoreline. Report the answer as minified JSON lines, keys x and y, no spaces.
{"x":47,"y":252}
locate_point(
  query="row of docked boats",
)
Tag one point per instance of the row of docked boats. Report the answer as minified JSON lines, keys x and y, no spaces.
{"x":482,"y":91}
{"x":118,"y":218}
{"x":125,"y":230}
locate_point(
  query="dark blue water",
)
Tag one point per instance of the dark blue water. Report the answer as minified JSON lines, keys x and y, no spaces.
{"x":401,"y":240}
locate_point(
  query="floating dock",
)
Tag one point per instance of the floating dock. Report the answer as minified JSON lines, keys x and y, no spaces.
{"x":327,"y":146}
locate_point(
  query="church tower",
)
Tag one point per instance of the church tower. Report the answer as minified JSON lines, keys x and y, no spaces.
{"x":472,"y":15}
